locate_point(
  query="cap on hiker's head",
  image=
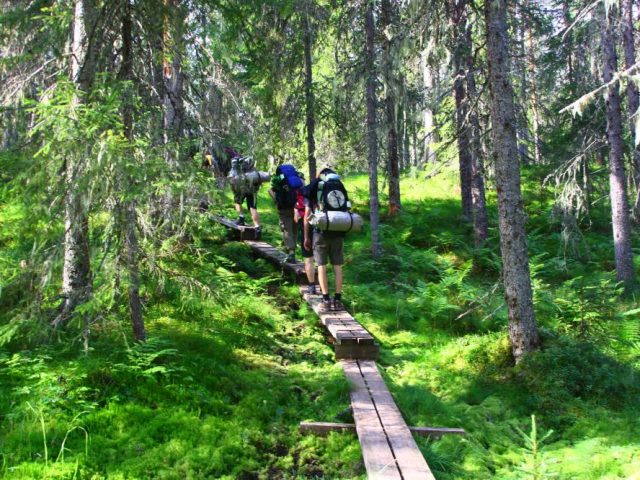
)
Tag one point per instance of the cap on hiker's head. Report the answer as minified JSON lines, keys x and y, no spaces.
{"x":326,"y":168}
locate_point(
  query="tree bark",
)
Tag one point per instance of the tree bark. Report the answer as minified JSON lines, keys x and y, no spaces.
{"x":76,"y":270}
{"x":566,"y":16}
{"x":372,"y":140}
{"x":309,"y":97}
{"x":523,"y":332}
{"x":430,"y":131}
{"x":129,"y":207}
{"x":458,"y":21}
{"x":533,"y":92}
{"x":173,"y":79}
{"x":618,"y":193}
{"x":393,"y":170}
{"x":478,"y":198}
{"x":634,"y":102}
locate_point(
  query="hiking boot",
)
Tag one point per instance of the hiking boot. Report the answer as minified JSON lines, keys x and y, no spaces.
{"x":291,"y":258}
{"x":338,"y":305}
{"x":240,"y":221}
{"x":326,"y":306}
{"x":258,"y":231}
{"x":311,"y":289}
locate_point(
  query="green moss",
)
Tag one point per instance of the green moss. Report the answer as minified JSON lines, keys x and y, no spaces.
{"x":235,"y":360}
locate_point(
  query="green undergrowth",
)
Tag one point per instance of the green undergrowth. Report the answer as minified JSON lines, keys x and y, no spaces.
{"x":235,"y":361}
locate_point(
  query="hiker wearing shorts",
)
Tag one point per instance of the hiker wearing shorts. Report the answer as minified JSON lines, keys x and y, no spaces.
{"x":245,"y":183}
{"x":328,"y":246}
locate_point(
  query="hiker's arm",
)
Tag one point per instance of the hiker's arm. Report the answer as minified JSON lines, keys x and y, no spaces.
{"x":307,"y":228}
{"x":272,"y":194}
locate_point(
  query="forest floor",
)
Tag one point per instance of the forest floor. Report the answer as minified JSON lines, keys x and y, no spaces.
{"x":235,"y":360}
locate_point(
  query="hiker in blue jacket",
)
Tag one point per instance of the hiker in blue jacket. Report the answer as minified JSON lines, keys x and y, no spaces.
{"x":284,"y":186}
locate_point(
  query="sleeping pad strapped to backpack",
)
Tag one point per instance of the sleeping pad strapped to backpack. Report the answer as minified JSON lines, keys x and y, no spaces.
{"x":333,"y":204}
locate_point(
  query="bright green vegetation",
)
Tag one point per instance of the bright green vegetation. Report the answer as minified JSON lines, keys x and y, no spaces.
{"x":235,"y":361}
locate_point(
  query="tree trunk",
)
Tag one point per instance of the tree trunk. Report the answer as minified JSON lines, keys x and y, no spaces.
{"x":522,"y":132}
{"x":400,"y":128}
{"x":129,"y":208}
{"x":309,"y":98}
{"x":566,"y":16}
{"x":618,"y":192}
{"x":634,"y":102}
{"x":533,"y":92}
{"x":458,"y":21}
{"x":372,"y":140}
{"x":173,"y":80}
{"x":390,"y":82}
{"x":480,"y":222}
{"x":430,"y":132}
{"x":76,"y":270}
{"x":586,"y":185}
{"x":523,"y":332}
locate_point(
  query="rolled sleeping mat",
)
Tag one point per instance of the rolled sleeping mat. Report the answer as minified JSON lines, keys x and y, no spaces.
{"x":252,"y":178}
{"x":334,"y":221}
{"x":264,"y":176}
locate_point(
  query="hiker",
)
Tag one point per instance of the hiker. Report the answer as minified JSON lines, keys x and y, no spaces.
{"x":245,"y":182}
{"x":307,"y":254}
{"x":326,"y":193}
{"x":284,"y":185}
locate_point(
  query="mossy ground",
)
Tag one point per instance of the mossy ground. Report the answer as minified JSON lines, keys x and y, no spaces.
{"x":235,"y":361}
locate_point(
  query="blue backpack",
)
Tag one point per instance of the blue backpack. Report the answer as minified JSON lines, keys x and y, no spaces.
{"x":291,"y":175}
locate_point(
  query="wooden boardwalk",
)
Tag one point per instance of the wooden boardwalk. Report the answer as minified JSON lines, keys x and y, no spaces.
{"x":278,"y":257}
{"x":351,"y":340}
{"x":241,"y":232}
{"x":388,"y":447}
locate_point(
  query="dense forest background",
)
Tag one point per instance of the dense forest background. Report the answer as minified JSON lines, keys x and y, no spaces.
{"x":492,"y":146}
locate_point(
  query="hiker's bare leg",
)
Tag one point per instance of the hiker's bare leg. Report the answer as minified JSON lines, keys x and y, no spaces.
{"x":238,"y":208}
{"x":337,"y":270}
{"x":255,"y":217}
{"x":310,"y":271}
{"x":323,"y":280}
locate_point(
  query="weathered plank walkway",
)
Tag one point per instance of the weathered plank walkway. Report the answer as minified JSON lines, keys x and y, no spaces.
{"x":277,"y":257}
{"x":388,"y":448}
{"x":323,"y":429}
{"x":351,"y":340}
{"x":241,"y":232}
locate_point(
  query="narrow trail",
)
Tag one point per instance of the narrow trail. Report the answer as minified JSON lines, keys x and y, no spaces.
{"x":388,"y":447}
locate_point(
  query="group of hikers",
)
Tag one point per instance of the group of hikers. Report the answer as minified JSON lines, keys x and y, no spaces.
{"x":315,"y":216}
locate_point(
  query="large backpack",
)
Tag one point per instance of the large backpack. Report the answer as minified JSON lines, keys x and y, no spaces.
{"x":332,"y":196}
{"x":291,"y":175}
{"x":286,"y":196}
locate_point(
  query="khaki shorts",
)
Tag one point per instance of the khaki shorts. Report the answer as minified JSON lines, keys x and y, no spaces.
{"x":328,"y":248}
{"x":251,"y":197}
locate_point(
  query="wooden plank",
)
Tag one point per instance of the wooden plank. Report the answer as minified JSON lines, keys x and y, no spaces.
{"x":410,"y":460}
{"x":356,"y":351}
{"x":244,"y":232}
{"x":378,"y":457}
{"x":437,"y":432}
{"x":278,"y":258}
{"x":344,"y":329}
{"x":323,"y":428}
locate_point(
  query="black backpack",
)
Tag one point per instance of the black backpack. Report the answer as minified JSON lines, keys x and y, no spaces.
{"x":286,"y":196}
{"x":332,"y":196}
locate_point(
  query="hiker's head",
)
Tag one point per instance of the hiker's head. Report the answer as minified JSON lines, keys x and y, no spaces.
{"x":325,"y":169}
